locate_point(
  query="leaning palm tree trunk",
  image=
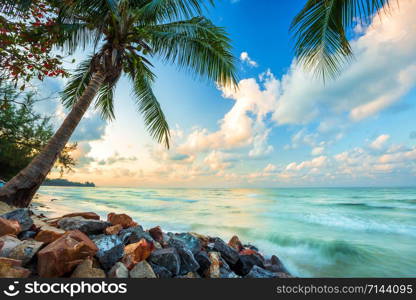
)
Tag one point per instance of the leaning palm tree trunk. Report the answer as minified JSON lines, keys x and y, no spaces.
{"x":20,"y":190}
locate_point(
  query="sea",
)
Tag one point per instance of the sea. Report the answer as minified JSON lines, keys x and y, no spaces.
{"x":316,"y":232}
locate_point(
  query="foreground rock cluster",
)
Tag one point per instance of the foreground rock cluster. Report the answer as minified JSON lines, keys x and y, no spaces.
{"x":80,"y":245}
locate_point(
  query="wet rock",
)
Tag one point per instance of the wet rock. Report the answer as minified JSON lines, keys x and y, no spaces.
{"x":203,"y":260}
{"x":187,"y":259}
{"x":229,"y":254}
{"x":10,"y":268}
{"x":134,"y":234}
{"x":191,"y":242}
{"x":161,"y":272}
{"x":29,"y":234}
{"x":119,"y":270}
{"x":257,"y":272}
{"x":142,"y":270}
{"x":7,"y":244}
{"x":235,"y":243}
{"x":225,"y":270}
{"x":86,"y":270}
{"x":22,"y":216}
{"x":88,"y":226}
{"x":203,"y":239}
{"x":85,"y":215}
{"x":246,"y":263}
{"x":110,"y":250}
{"x":25,"y":251}
{"x":167,"y":258}
{"x":275,"y":265}
{"x":214,"y":269}
{"x":9,"y":227}
{"x":49,"y":234}
{"x":124,"y":220}
{"x":137,"y":252}
{"x":157,"y":234}
{"x":64,"y":254}
{"x":113,"y":229}
{"x":190,"y":275}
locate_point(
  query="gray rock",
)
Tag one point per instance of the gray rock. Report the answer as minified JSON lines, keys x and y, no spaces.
{"x":21,"y":215}
{"x":190,"y":242}
{"x":225,"y":270}
{"x":188,"y":261}
{"x":246,"y":263}
{"x":119,"y":270}
{"x":134,"y":234}
{"x":203,"y":261}
{"x":275,"y":265}
{"x":257,"y":272}
{"x":7,"y":244}
{"x":167,"y":258}
{"x":161,"y":272}
{"x":25,"y":251}
{"x":27,"y":235}
{"x":229,"y":254}
{"x":110,"y":250}
{"x":142,"y":270}
{"x":88,"y":226}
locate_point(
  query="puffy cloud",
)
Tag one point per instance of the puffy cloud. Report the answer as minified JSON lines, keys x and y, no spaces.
{"x":218,"y":161}
{"x":380,"y":141}
{"x":92,"y":127}
{"x":317,"y":151}
{"x":244,"y":57}
{"x":316,"y":162}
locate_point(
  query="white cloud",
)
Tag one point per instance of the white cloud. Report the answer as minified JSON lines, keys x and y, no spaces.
{"x":380,"y":141}
{"x":317,"y":151}
{"x":244,"y":57}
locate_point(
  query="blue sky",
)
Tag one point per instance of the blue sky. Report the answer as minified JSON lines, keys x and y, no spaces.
{"x":283,"y":127}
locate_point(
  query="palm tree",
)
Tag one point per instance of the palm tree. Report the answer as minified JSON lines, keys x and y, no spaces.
{"x":321,"y":32}
{"x":125,"y":35}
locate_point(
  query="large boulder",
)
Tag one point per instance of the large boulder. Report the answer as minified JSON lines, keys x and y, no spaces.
{"x":7,"y":244}
{"x":63,"y":255}
{"x":203,"y":260}
{"x":115,"y":229}
{"x":229,"y":254}
{"x":85,"y":215}
{"x":25,"y":251}
{"x":21,"y":215}
{"x":86,"y":270}
{"x":275,"y":265}
{"x":124,"y":220}
{"x":142,"y":270}
{"x":167,"y":258}
{"x":188,"y":261}
{"x":119,"y":270}
{"x":161,"y":272}
{"x":110,"y":249}
{"x":11,"y":268}
{"x":235,"y":243}
{"x":190,"y":241}
{"x":225,"y":270}
{"x":214,"y":269}
{"x":203,"y":239}
{"x":137,"y":252}
{"x":49,"y":234}
{"x":26,"y":235}
{"x":88,"y":226}
{"x":257,"y":272}
{"x":157,"y":234}
{"x":246,"y":263}
{"x":134,"y":234}
{"x":9,"y":227}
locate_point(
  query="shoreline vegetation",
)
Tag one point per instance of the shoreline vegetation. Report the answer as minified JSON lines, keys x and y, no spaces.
{"x":81,"y":245}
{"x":65,"y":182}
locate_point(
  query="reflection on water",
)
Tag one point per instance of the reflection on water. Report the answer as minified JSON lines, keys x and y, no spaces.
{"x":346,"y":232}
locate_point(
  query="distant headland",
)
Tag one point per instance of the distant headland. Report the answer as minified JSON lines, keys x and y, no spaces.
{"x":65,"y":182}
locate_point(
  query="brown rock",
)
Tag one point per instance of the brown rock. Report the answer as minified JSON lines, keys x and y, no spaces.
{"x":87,"y":270}
{"x":113,"y":229}
{"x":85,"y":215}
{"x":122,"y":219}
{"x":142,"y":270}
{"x":11,"y":261}
{"x":137,"y":252}
{"x":235,"y":243}
{"x":214,"y":269}
{"x":9,"y":268}
{"x":157,"y":234}
{"x":49,"y":234}
{"x":64,"y":254}
{"x":25,"y":251}
{"x":7,"y":244}
{"x":9,"y":227}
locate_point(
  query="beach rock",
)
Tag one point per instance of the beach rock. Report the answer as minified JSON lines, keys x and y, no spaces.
{"x":257,"y":272}
{"x":64,"y":254}
{"x":7,"y":244}
{"x":22,"y":216}
{"x":161,"y":272}
{"x":235,"y":243}
{"x":225,"y":270}
{"x":10,"y":268}
{"x":85,"y":215}
{"x":113,"y":229}
{"x":9,"y":227}
{"x":275,"y":265}
{"x":25,"y":251}
{"x":203,"y":260}
{"x":157,"y":234}
{"x":246,"y":263}
{"x":188,"y":261}
{"x":110,"y":250}
{"x":25,"y":235}
{"x":203,"y":239}
{"x":134,"y":234}
{"x":88,"y":226}
{"x":168,"y":258}
{"x":119,"y":270}
{"x":137,"y":252}
{"x":124,"y":220}
{"x":86,"y":270}
{"x":142,"y":270}
{"x":214,"y":269}
{"x":49,"y":234}
{"x":229,"y":254}
{"x":191,"y":242}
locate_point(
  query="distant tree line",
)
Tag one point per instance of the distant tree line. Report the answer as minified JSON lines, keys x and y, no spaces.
{"x":65,"y":182}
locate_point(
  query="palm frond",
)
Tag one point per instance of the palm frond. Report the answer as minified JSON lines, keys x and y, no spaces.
{"x":105,"y":101}
{"x":197,"y":45}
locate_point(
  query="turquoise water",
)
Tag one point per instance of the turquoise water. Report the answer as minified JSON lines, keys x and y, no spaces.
{"x":327,"y":232}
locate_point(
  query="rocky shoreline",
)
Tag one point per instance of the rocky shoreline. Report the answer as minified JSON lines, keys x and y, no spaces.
{"x":81,"y":245}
